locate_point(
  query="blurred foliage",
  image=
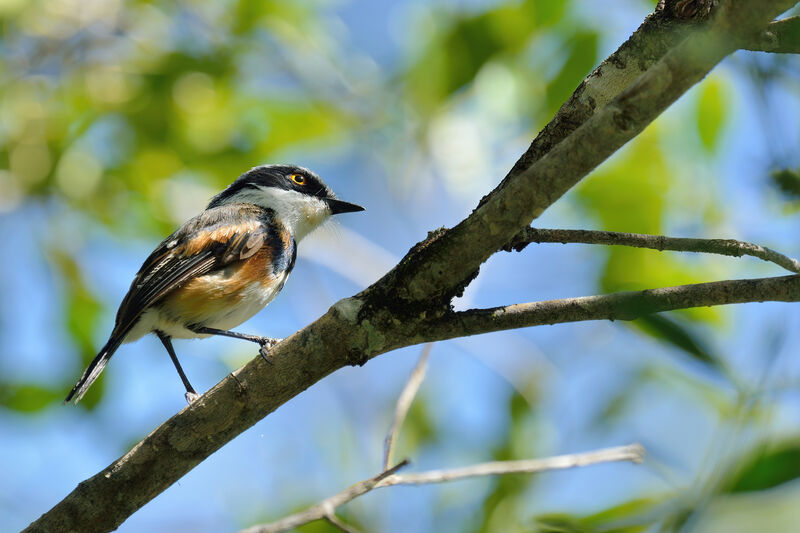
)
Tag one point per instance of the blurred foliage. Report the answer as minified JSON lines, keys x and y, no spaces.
{"x":788,"y":182}
{"x":680,"y":335}
{"x":633,"y":516}
{"x":418,"y":430}
{"x":765,"y":468}
{"x":27,"y":397}
{"x":134,"y":113}
{"x":712,"y":110}
{"x":501,"y":507}
{"x":627,"y":194}
{"x":458,"y":51}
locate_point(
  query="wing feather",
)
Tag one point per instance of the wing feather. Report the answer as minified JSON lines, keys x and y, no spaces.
{"x":213,"y":240}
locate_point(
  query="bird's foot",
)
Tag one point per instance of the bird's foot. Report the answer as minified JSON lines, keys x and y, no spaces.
{"x":191,"y":396}
{"x":266,"y":345}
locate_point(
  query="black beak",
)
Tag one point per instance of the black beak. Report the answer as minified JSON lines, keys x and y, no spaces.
{"x":338,"y":206}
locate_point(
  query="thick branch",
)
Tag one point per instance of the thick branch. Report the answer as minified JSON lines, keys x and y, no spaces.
{"x":617,"y":306}
{"x":729,"y":247}
{"x":632,"y":453}
{"x":780,"y":37}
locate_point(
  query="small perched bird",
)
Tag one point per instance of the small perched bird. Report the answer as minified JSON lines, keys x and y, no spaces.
{"x":223,"y":266}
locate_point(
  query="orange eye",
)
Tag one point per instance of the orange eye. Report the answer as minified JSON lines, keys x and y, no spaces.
{"x":298,"y":179}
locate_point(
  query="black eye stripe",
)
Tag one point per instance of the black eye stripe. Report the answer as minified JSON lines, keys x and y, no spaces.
{"x":277,"y":177}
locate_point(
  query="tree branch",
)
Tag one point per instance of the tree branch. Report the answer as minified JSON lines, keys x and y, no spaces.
{"x":336,"y":522}
{"x":326,"y":507}
{"x":617,"y":306}
{"x":441,"y":266}
{"x":780,"y":37}
{"x":419,"y":289}
{"x":324,"y":510}
{"x":729,"y":247}
{"x":404,"y":403}
{"x":632,"y":452}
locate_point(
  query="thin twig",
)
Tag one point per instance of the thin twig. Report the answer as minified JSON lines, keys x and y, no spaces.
{"x":404,"y":403}
{"x":632,"y":452}
{"x":325,"y":510}
{"x":729,"y":247}
{"x":337,"y":522}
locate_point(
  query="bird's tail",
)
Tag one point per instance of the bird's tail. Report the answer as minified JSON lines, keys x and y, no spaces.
{"x":94,"y":369}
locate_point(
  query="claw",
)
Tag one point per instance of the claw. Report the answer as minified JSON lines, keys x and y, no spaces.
{"x":191,"y":397}
{"x":266,"y":345}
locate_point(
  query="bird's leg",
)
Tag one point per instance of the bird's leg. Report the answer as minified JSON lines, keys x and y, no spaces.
{"x":266,"y":343}
{"x":190,"y":395}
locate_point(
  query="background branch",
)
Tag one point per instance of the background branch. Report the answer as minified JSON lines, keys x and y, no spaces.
{"x":729,"y":247}
{"x":617,"y":306}
{"x":404,"y":403}
{"x":631,"y":453}
{"x":326,"y":509}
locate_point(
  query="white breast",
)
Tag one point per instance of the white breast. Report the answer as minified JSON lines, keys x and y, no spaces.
{"x":253,"y":299}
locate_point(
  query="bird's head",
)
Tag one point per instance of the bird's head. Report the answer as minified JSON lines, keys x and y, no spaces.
{"x":299,"y":198}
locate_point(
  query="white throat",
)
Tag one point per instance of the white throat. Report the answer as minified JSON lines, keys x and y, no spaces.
{"x":300,"y":213}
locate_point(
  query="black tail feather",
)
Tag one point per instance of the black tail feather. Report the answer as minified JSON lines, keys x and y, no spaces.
{"x":94,"y":369}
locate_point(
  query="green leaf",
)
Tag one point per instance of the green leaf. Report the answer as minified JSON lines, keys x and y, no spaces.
{"x":712,"y":110}
{"x":456,"y":54}
{"x":501,"y":505}
{"x":633,"y":516}
{"x":559,"y":523}
{"x":627,"y":194}
{"x":788,"y":182}
{"x":417,"y":431}
{"x":27,"y":397}
{"x":767,"y":468}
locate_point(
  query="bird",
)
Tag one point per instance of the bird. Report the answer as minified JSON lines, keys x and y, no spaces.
{"x":221,"y":267}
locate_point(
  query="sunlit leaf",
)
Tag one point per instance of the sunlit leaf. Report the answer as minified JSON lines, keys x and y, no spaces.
{"x":632,"y":516}
{"x":456,"y":54}
{"x":712,"y":110}
{"x":627,"y":194}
